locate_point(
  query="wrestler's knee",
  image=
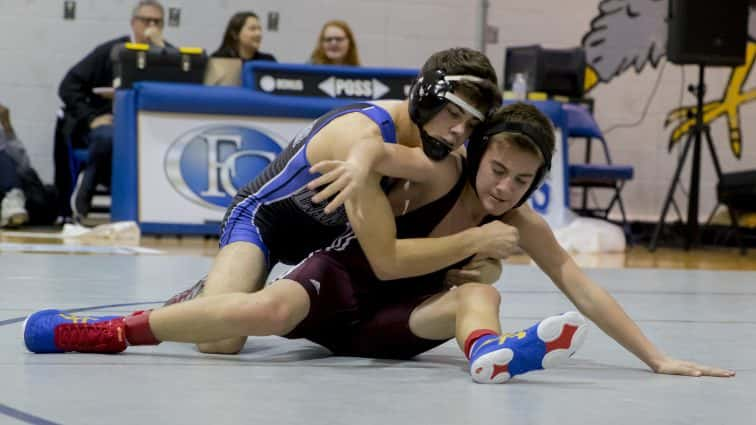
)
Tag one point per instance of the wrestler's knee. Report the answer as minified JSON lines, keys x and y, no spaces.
{"x":226,"y":346}
{"x":260,"y":312}
{"x":279,"y":314}
{"x":477,"y":291}
{"x":239,"y":267}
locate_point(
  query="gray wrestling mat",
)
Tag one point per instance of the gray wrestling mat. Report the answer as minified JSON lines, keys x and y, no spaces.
{"x":706,"y":316}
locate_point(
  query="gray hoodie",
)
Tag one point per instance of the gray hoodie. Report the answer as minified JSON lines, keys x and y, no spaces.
{"x":16,"y":150}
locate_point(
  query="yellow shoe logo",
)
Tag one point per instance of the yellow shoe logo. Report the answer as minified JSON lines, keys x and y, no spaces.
{"x":506,"y":336}
{"x":502,"y":338}
{"x":78,"y":319}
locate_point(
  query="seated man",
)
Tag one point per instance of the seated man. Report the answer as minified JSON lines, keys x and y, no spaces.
{"x":335,"y":299}
{"x":89,"y":116}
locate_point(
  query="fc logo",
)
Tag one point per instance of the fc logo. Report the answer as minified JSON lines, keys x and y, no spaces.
{"x":208,"y":164}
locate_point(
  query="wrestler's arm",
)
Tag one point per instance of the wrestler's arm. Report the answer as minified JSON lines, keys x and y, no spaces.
{"x":354,"y":148}
{"x":390,"y":160}
{"x":372,"y":220}
{"x":343,"y":152}
{"x":405,"y":163}
{"x":537,"y":239}
{"x":355,"y":139}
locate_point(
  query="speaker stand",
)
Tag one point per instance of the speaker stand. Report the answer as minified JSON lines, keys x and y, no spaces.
{"x":694,"y":138}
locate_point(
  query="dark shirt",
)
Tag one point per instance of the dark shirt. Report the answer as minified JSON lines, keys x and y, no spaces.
{"x":81,"y":104}
{"x":95,"y":70}
{"x":228,"y":52}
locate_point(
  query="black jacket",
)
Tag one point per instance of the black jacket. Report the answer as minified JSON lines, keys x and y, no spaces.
{"x":81,"y":105}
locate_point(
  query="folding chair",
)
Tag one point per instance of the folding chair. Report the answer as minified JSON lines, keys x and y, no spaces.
{"x":581,"y":125}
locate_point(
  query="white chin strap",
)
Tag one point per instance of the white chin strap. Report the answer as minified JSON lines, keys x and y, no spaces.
{"x":458,"y":100}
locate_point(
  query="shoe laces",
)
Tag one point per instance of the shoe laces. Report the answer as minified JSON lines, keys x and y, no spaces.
{"x":180,"y":297}
{"x":89,"y":336}
{"x":187,"y":294}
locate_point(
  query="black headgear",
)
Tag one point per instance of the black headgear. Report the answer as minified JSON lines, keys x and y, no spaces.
{"x":428,"y":95}
{"x":479,"y":142}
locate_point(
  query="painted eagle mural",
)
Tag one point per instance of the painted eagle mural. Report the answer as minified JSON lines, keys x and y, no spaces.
{"x":631,"y":34}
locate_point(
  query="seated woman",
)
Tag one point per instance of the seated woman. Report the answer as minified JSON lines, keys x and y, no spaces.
{"x":242,"y":39}
{"x":336,"y":46}
{"x":23,"y":197}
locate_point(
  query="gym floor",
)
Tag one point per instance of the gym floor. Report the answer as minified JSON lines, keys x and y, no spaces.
{"x":697,"y":305}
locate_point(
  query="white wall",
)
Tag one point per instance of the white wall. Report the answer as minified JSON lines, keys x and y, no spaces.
{"x":623,"y":99}
{"x":37,"y":47}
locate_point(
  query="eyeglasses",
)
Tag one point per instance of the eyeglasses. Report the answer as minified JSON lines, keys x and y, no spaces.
{"x":333,"y":39}
{"x":147,"y":20}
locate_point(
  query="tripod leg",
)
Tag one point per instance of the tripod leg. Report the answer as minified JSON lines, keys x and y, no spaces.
{"x":670,"y":193}
{"x":708,"y":222}
{"x":713,"y":211}
{"x":677,"y":210}
{"x":692,"y":228}
{"x":714,"y":157}
{"x":718,"y":169}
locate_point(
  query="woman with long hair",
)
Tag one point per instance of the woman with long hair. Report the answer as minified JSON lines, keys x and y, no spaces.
{"x":242,"y":39}
{"x":336,"y":45}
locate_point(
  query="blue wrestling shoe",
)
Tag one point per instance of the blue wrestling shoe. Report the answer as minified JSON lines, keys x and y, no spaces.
{"x":495,"y":359}
{"x":53,"y":331}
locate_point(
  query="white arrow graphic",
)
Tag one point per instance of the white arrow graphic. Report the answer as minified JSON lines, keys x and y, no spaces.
{"x":379,"y":89}
{"x":328,"y":86}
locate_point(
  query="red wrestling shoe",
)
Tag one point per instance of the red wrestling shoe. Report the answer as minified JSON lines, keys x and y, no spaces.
{"x":52,"y":331}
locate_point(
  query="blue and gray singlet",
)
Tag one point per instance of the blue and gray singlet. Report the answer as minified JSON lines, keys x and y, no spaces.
{"x":275,"y":210}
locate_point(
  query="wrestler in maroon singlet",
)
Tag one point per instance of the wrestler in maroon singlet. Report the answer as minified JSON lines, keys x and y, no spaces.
{"x":352,"y":312}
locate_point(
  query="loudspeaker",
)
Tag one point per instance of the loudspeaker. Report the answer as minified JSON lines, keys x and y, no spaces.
{"x":707,"y":33}
{"x":738,"y":190}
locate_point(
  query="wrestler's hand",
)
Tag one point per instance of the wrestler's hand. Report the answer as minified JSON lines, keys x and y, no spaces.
{"x":498,"y":240}
{"x":343,"y":179}
{"x":479,"y":269}
{"x":670,"y":366}
{"x":458,"y":277}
